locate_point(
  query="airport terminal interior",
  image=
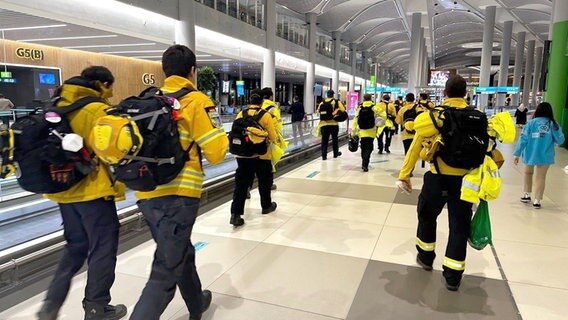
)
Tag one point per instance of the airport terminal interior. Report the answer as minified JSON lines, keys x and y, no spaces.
{"x":342,"y":242}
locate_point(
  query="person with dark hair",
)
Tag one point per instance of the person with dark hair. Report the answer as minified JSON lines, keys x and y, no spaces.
{"x":171,"y":209}
{"x":405,"y":118}
{"x":298,"y":114}
{"x":536,"y":146}
{"x":365,"y":127}
{"x":5,"y":106}
{"x":386,"y":106}
{"x":425,"y":102}
{"x":398,"y":103}
{"x":442,"y":186}
{"x":258,"y":164}
{"x":328,"y":126}
{"x":521,"y":115}
{"x":90,"y":221}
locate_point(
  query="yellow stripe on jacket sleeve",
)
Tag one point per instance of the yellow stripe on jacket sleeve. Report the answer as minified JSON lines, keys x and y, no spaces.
{"x":210,"y":136}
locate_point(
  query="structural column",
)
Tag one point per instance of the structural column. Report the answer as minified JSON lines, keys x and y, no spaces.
{"x":269,"y":65}
{"x":487,"y":53}
{"x":519,"y":59}
{"x":528,"y":73}
{"x":420,"y":60}
{"x":414,"y":64}
{"x":557,"y":80}
{"x":536,"y":74}
{"x":337,"y":61}
{"x":185,"y":27}
{"x":353,"y":49}
{"x":505,"y":58}
{"x":309,"y":103}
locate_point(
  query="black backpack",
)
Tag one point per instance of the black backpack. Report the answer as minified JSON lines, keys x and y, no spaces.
{"x":366,"y":119}
{"x":326,"y":110}
{"x":464,"y":136}
{"x":410,"y":115}
{"x":240,"y":143}
{"x":161,"y":157}
{"x":397,"y":105}
{"x":42,"y":166}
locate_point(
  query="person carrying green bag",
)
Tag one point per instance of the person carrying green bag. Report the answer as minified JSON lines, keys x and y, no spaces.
{"x":480,"y":232}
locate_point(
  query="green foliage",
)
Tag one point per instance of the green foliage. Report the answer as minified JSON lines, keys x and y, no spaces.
{"x":206,"y":80}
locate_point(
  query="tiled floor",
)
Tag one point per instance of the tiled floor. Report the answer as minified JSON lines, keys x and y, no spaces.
{"x":341,"y":246}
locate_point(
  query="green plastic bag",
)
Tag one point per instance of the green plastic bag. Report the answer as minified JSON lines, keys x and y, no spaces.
{"x":480,"y":233}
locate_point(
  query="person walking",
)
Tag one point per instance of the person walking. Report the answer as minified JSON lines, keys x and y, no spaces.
{"x":365,"y":126}
{"x":405,"y":118}
{"x":90,"y":221}
{"x":442,"y":186}
{"x":5,"y":106}
{"x":536,"y":147}
{"x":386,"y":106}
{"x":171,"y":209}
{"x":328,"y":126}
{"x":258,"y":164}
{"x":298,"y":114}
{"x":521,"y":115}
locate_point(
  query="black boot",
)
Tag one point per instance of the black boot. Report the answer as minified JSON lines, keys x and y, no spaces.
{"x":207,"y":297}
{"x":108,"y":312}
{"x":236,"y":220}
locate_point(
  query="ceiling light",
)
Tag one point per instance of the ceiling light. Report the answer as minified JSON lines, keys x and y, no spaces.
{"x":147,"y":57}
{"x":133,"y":51}
{"x":202,"y":55}
{"x":111,"y":45}
{"x":477,"y":45}
{"x":213,"y":60}
{"x":70,"y":38}
{"x":34,"y":27}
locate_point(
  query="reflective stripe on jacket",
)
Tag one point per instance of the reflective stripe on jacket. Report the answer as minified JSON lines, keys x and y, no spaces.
{"x":483,"y":183}
{"x":196,"y":126}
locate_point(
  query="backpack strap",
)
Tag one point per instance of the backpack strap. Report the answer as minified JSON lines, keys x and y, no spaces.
{"x":180,"y":93}
{"x":79,"y":104}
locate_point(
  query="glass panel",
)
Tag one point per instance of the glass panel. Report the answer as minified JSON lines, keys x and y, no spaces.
{"x":233,"y":8}
{"x":209,"y":3}
{"x":222,"y":5}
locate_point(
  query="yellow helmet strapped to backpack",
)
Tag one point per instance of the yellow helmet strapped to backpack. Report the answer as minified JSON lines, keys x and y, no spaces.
{"x":116,"y":139}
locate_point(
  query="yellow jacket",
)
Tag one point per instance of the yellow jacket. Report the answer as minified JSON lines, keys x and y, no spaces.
{"x":483,"y":183}
{"x":400,"y":118}
{"x":426,"y":125}
{"x":268,"y":124}
{"x":194,"y":125}
{"x":426,"y":104}
{"x":340,"y":107}
{"x":367,"y":133}
{"x":274,"y":110}
{"x":388,"y":107}
{"x":98,"y":184}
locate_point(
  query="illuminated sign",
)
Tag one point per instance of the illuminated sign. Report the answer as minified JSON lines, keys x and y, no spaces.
{"x":240,"y":88}
{"x":509,"y":90}
{"x":486,"y":90}
{"x":226,"y":86}
{"x":372,"y":79}
{"x":29,"y":53}
{"x":5,"y":74}
{"x":149,"y":79}
{"x":7,"y":80}
{"x":370,"y":90}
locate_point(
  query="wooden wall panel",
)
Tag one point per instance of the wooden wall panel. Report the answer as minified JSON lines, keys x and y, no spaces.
{"x":127,"y":71}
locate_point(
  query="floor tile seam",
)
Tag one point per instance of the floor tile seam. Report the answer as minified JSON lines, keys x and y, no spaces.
{"x":318,"y":251}
{"x":275,"y":305}
{"x":538,"y":285}
{"x":504,"y":276}
{"x":145,"y":278}
{"x":322,"y":218}
{"x":235,"y":263}
{"x":174,"y":316}
{"x":381,"y":232}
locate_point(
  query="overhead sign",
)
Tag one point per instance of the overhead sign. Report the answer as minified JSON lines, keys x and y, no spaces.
{"x":7,"y":80}
{"x":390,"y":89}
{"x":226,"y":86}
{"x":486,"y":90}
{"x":240,"y":88}
{"x":509,"y":90}
{"x":5,"y":74}
{"x":370,"y":90}
{"x":29,"y":53}
{"x":372,"y":79}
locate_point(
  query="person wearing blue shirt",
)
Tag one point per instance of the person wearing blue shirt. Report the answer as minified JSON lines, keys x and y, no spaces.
{"x":536,"y":146}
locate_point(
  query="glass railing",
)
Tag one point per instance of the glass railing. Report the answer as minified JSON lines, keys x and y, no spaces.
{"x":292,"y":29}
{"x":248,"y":11}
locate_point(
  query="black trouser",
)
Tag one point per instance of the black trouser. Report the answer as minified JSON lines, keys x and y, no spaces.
{"x":170,"y":220}
{"x":366,"y":150}
{"x":407,"y":143}
{"x":326,"y":131}
{"x":6,"y":120}
{"x":437,"y":191}
{"x":387,"y":133}
{"x":246,"y":170}
{"x":91,"y":231}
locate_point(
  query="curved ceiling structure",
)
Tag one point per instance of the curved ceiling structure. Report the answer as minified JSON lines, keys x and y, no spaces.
{"x":453,"y":28}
